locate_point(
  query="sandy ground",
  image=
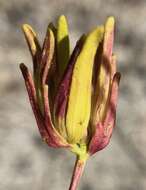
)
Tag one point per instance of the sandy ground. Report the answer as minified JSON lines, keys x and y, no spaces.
{"x":26,"y":163}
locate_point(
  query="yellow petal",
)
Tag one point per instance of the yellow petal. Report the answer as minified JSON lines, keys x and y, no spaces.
{"x":63,"y":49}
{"x":79,"y":104}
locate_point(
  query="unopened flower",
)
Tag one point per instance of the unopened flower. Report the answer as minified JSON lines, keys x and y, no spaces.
{"x":73,"y":96}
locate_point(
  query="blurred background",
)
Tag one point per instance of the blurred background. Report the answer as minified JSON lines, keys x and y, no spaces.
{"x":26,"y":163}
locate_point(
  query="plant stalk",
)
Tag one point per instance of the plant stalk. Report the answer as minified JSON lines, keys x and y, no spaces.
{"x":77,"y":173}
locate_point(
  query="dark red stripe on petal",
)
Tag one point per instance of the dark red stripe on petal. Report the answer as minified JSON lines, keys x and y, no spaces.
{"x":55,"y":136}
{"x":63,"y":91}
{"x":33,"y":101}
{"x":47,"y":54}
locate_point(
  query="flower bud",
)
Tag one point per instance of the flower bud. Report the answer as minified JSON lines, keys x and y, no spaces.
{"x":73,"y":96}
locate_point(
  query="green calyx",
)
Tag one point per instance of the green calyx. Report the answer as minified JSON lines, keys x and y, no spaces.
{"x":81,"y":151}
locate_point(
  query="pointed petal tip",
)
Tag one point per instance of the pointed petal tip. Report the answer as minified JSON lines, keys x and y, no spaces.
{"x":117,"y":77}
{"x":22,"y":66}
{"x":28,"y":31}
{"x":24,"y":26}
{"x":110,"y":22}
{"x":63,"y":44}
{"x":52,"y":27}
{"x":49,"y":31}
{"x":27,"y":28}
{"x":24,"y":70}
{"x":62,"y":24}
{"x":62,"y":18}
